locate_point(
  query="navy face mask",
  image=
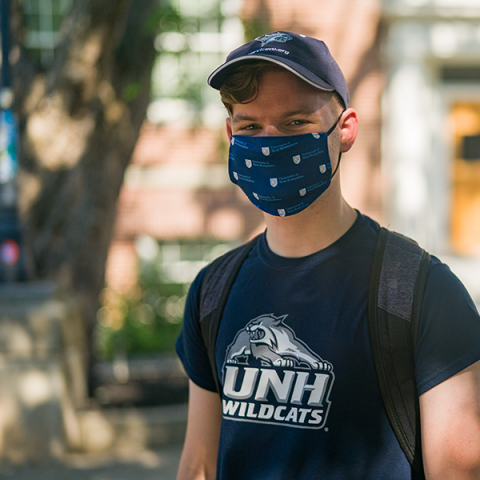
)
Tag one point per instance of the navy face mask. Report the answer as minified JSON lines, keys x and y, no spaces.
{"x":281,"y":175}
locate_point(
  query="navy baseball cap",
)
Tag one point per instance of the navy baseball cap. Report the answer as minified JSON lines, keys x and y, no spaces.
{"x":306,"y":57}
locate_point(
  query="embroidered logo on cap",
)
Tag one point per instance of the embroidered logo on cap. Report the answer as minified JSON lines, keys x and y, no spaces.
{"x":274,"y":37}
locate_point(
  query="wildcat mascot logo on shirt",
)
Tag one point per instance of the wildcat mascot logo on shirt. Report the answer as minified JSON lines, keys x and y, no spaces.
{"x":271,"y":376}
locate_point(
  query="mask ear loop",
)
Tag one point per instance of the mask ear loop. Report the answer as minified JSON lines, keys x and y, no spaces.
{"x":338,"y":164}
{"x":340,"y":154}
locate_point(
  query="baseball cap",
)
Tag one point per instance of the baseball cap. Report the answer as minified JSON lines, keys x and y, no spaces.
{"x":306,"y":57}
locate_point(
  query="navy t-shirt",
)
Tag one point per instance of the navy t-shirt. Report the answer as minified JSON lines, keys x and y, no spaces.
{"x":300,"y":393}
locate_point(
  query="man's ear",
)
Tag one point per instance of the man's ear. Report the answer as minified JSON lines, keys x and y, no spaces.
{"x":229,"y":127}
{"x":348,"y":129}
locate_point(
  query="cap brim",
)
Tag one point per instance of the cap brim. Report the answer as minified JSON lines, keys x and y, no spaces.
{"x":217,"y":78}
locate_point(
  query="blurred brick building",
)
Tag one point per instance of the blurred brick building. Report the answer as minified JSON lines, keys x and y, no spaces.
{"x":413,"y":69}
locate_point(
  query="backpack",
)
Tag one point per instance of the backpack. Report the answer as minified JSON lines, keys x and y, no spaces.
{"x":399,"y":273}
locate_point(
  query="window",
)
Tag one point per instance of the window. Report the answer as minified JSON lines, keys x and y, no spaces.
{"x":196,"y":37}
{"x":43,"y":19}
{"x":461,"y":74}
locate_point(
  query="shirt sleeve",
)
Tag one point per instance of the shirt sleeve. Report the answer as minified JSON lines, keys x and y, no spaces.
{"x":449,"y":330}
{"x":190,"y":346}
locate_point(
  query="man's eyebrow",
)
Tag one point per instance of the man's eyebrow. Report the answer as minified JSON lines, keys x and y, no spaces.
{"x":240,"y":117}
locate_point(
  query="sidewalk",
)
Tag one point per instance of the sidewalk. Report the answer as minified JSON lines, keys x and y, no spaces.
{"x":132,"y":464}
{"x":118,"y":444}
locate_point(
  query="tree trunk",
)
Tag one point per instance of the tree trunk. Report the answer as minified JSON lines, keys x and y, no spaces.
{"x":79,"y":122}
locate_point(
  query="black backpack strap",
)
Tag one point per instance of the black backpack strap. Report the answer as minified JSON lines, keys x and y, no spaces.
{"x":214,"y":291}
{"x":399,"y":274}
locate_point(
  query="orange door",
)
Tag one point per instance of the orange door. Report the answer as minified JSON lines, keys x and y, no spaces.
{"x":465,"y":220}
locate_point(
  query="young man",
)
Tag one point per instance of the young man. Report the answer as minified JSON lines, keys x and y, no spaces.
{"x":300,"y":396}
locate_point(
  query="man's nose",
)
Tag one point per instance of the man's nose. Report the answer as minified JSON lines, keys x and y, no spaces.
{"x":270,"y":131}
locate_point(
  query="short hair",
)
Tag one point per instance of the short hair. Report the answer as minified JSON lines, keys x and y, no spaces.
{"x":242,"y":85}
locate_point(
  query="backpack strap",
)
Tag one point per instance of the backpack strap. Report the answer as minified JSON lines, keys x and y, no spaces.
{"x":399,"y":274}
{"x":214,"y":291}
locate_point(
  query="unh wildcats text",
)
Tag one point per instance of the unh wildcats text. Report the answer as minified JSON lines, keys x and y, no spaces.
{"x":298,"y":399}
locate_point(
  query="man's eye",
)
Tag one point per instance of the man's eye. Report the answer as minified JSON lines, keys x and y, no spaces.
{"x":298,"y":122}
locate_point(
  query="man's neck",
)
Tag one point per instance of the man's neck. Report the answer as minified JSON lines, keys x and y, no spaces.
{"x":309,"y":231}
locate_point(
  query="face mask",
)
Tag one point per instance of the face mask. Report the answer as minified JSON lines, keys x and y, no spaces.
{"x":281,"y":175}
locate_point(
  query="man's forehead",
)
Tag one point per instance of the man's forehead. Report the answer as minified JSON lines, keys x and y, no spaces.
{"x":239,"y":116}
{"x":284,"y":99}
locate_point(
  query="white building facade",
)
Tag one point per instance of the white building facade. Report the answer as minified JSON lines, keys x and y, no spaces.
{"x":431,"y":122}
{"x":431,"y":128}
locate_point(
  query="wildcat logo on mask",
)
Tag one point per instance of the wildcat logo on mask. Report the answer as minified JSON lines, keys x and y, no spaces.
{"x":274,"y":182}
{"x":316,"y":135}
{"x":271,"y":376}
{"x":302,"y":192}
{"x":297,"y":159}
{"x":266,"y":151}
{"x":235,"y":174}
{"x":323,"y":168}
{"x":248,"y":163}
{"x":281,"y":212}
